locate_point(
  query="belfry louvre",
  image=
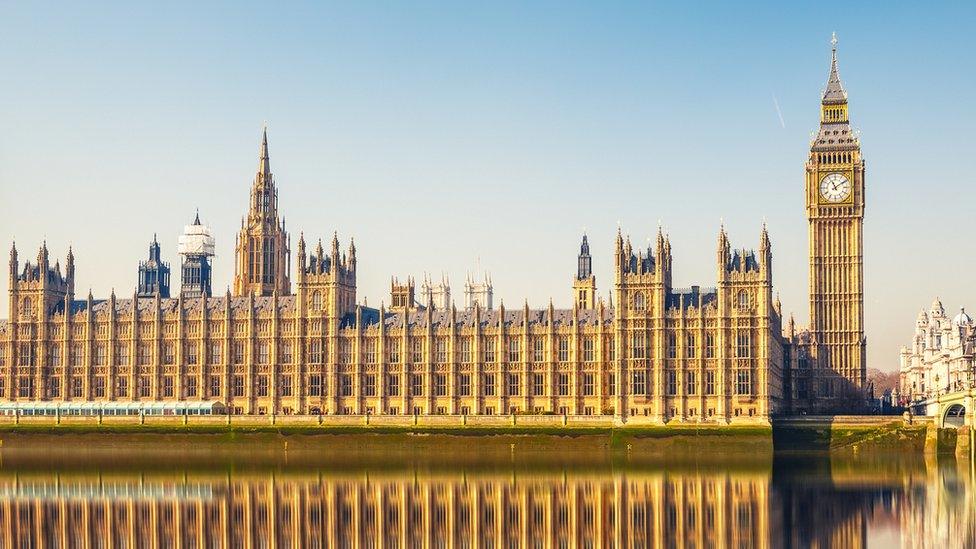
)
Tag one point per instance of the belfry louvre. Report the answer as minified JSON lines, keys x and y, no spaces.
{"x":653,"y":353}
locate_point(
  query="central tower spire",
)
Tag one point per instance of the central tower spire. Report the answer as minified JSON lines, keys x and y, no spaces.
{"x":263,"y":253}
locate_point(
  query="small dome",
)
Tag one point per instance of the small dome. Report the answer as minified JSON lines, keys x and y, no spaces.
{"x":962,"y":319}
{"x":937,"y":309}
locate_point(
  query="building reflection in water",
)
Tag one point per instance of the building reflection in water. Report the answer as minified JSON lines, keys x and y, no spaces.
{"x":561,"y":508}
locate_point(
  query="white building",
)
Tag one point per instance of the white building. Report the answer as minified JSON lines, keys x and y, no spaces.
{"x":437,"y":295}
{"x":940,"y":358}
{"x":478,"y":292}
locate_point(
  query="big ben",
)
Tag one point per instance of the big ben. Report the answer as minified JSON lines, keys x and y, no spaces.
{"x":835,"y":214}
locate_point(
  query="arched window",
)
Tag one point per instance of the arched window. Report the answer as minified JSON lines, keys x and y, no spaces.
{"x":743,"y":299}
{"x":639,"y":303}
{"x":26,"y":308}
{"x":317,"y":300}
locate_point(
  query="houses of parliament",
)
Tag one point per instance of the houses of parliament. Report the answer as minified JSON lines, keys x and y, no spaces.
{"x":300,"y":342}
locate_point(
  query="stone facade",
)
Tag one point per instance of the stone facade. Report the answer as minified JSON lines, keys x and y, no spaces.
{"x":830,"y":361}
{"x":940,"y":359}
{"x":661,"y":355}
{"x":653,"y":353}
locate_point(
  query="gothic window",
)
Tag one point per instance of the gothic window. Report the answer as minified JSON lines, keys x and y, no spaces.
{"x":743,"y":346}
{"x":238,"y":386}
{"x":440,"y":384}
{"x":672,"y":381}
{"x":393,"y":346}
{"x":611,"y":348}
{"x":264,"y":353}
{"x":169,"y":353}
{"x":369,"y":350}
{"x":168,"y":386}
{"x":191,"y":354}
{"x":743,"y":382}
{"x":743,"y":299}
{"x":27,"y":354}
{"x":440,"y":350}
{"x":239,"y":353}
{"x":345,"y":385}
{"x":562,"y":384}
{"x":489,"y":384}
{"x":143,"y":382}
{"x":710,"y":345}
{"x":100,"y":354}
{"x":26,"y":308}
{"x":588,"y":349}
{"x":588,"y":385}
{"x":710,"y":382}
{"x":514,"y":383}
{"x":538,"y":349}
{"x":465,"y":350}
{"x":416,"y":385}
{"x":121,"y":387}
{"x":464,"y":385}
{"x":639,"y":345}
{"x":488,"y":349}
{"x":55,"y":355}
{"x":77,"y":387}
{"x":563,"y":350}
{"x":538,"y":384}
{"x":286,"y":356}
{"x":26,"y":388}
{"x":639,"y":302}
{"x":3,"y":355}
{"x":514,"y":349}
{"x":392,"y":385}
{"x":611,"y":385}
{"x":215,"y":353}
{"x":77,"y":354}
{"x":691,"y":346}
{"x":121,"y":355}
{"x":315,"y":385}
{"x":317,"y":301}
{"x":691,"y":383}
{"x":262,"y":390}
{"x":416,"y":350}
{"x":369,"y":385}
{"x":672,"y":345}
{"x":639,"y":383}
{"x":345,"y":351}
{"x":53,"y":388}
{"x":190,"y":387}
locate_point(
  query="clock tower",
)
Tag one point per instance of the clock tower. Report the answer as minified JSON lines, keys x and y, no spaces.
{"x":835,"y":214}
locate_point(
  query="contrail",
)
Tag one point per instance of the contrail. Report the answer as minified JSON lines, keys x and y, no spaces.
{"x":778,"y":112}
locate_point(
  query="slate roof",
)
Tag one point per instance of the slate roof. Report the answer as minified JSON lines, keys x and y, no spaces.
{"x":834,"y":92}
{"x":466,"y":318}
{"x":286,"y":304}
{"x":834,"y":135}
{"x":743,"y":258}
{"x":688,"y":297}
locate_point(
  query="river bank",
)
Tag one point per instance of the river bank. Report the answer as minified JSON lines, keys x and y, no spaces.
{"x":829,"y":435}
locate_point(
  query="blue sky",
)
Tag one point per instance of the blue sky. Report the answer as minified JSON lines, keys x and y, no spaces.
{"x":444,"y":134}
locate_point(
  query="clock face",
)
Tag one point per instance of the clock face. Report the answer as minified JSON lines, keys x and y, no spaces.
{"x":835,"y":187}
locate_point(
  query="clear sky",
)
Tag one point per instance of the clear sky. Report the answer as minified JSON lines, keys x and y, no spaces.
{"x":441,"y":134}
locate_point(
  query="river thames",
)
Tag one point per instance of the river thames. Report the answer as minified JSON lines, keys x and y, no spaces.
{"x":499,"y":491}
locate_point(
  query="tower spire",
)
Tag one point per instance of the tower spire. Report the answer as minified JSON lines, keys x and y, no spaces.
{"x":834,"y":92}
{"x":264,"y":163}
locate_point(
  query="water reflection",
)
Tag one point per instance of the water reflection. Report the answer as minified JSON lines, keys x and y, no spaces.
{"x":786,"y":503}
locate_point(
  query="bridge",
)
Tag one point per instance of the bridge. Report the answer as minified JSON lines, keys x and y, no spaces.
{"x":952,"y":409}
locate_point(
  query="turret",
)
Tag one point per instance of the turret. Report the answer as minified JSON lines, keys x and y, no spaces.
{"x":584,"y":285}
{"x":765,"y":252}
{"x":13,"y":265}
{"x":153,"y":273}
{"x":196,"y":247}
